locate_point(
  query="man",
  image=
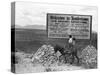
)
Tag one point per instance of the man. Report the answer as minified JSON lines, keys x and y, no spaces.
{"x":72,"y":48}
{"x":70,"y":42}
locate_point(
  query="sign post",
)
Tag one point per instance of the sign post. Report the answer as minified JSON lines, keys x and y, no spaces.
{"x":63,"y":25}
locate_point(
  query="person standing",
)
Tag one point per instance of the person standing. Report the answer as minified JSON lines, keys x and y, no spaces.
{"x":71,"y":42}
{"x":72,"y":48}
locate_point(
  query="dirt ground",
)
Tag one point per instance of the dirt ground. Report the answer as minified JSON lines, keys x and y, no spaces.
{"x":25,"y":65}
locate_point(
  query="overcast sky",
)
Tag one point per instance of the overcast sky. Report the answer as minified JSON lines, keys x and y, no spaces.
{"x":29,"y":13}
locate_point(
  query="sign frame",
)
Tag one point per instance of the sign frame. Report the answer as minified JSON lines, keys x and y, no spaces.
{"x":90,"y":28}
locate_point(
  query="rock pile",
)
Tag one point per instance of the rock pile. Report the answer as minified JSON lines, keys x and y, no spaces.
{"x":89,"y":56}
{"x":45,"y":55}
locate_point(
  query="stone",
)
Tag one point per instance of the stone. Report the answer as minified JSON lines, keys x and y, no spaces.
{"x":89,"y":56}
{"x":45,"y":55}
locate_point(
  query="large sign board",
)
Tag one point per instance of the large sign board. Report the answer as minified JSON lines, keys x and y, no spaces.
{"x":63,"y":25}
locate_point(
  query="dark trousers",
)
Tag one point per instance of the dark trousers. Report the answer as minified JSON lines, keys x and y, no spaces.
{"x":73,"y":51}
{"x":74,"y":55}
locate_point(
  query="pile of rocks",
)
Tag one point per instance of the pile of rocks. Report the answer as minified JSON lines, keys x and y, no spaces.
{"x":89,"y":56}
{"x":45,"y":55}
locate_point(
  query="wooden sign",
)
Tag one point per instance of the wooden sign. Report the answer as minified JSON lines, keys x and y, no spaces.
{"x":63,"y":25}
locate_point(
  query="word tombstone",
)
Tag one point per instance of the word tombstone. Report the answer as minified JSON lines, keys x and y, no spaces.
{"x":63,"y":25}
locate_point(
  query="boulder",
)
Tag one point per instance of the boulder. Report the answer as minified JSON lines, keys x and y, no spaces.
{"x":45,"y":55}
{"x":89,"y":56}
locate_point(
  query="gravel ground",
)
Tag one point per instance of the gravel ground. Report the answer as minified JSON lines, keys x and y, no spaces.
{"x":26,"y":66}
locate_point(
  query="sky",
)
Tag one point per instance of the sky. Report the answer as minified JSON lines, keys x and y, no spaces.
{"x":29,"y":13}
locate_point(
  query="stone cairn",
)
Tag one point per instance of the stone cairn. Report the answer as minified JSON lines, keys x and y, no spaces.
{"x":89,"y":57}
{"x":45,"y":55}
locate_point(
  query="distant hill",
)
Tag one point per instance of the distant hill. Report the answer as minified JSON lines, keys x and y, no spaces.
{"x":16,"y":26}
{"x":35,"y":27}
{"x":30,"y":27}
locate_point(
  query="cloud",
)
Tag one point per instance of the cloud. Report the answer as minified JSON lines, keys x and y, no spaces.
{"x":89,"y":9}
{"x":34,"y":13}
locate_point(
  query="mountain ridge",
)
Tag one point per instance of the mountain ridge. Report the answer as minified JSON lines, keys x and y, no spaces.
{"x":30,"y":27}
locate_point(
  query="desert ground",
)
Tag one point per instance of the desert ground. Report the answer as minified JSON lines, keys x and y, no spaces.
{"x":25,"y":65}
{"x":28,"y":41}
